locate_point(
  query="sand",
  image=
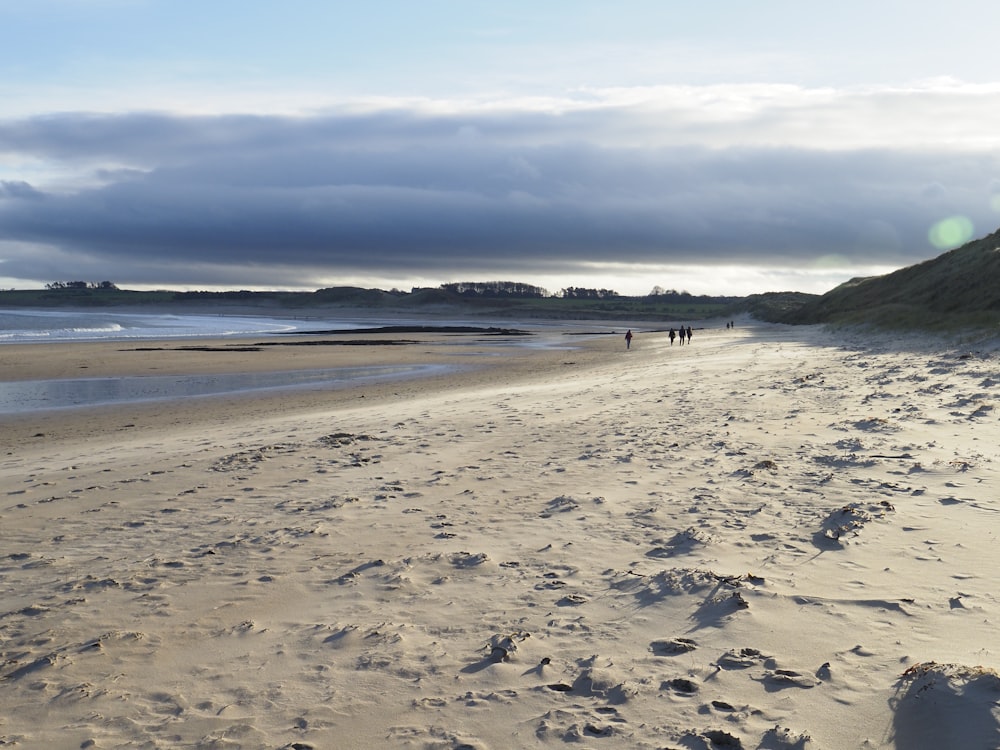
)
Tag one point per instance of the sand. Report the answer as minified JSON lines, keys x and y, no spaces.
{"x":769,"y":538}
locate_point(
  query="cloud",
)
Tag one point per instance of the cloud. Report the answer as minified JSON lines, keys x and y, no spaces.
{"x":439,"y":189}
{"x":18,"y":189}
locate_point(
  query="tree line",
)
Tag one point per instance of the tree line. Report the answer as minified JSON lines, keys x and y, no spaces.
{"x":495,"y":289}
{"x":81,"y":285}
{"x":469,"y":289}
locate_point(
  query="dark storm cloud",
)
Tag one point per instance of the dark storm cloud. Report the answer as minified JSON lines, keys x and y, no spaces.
{"x":18,"y":189}
{"x":288,"y":197}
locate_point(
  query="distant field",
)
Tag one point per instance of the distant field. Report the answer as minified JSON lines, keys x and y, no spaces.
{"x":624,"y":307}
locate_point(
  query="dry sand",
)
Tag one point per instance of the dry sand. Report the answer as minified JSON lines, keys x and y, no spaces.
{"x":765,"y":539}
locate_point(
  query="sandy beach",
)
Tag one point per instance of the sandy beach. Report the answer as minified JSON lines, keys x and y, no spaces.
{"x":770,"y":538}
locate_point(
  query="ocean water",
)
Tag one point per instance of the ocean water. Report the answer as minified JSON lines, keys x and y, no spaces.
{"x":59,"y":326}
{"x":24,"y":397}
{"x":37,"y":326}
{"x":51,"y":326}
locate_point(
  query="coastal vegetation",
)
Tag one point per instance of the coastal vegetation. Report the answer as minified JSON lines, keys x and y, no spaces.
{"x":486,"y":298}
{"x":958,"y":289}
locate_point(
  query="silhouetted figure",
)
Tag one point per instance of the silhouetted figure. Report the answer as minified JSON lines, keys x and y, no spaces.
{"x":689,"y":334}
{"x":672,"y":335}
{"x":628,"y":339}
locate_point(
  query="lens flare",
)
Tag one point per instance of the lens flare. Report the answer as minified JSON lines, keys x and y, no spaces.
{"x":951,"y":232}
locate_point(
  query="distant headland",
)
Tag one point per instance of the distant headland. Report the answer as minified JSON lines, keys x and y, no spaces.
{"x":485,"y":299}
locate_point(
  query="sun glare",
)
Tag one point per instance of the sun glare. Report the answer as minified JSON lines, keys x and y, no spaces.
{"x":951,"y":232}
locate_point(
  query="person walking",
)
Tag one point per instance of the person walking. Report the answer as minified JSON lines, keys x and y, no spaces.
{"x":628,"y":339}
{"x":672,"y":335}
{"x":689,"y":334}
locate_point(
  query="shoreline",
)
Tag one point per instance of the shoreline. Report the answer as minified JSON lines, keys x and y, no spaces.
{"x":468,"y":363}
{"x":765,"y":538}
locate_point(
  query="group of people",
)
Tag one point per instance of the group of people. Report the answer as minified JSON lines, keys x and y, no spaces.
{"x":682,"y":333}
{"x":672,"y":334}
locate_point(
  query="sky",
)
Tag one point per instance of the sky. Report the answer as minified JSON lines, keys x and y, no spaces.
{"x":725,"y":147}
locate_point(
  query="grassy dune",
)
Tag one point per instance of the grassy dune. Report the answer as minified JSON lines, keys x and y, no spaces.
{"x":959,"y":289}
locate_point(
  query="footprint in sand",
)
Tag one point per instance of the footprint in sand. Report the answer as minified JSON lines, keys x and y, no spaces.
{"x":848,"y":521}
{"x":937,"y":703}
{"x":682,"y":543}
{"x":680,"y":685}
{"x":742,"y":659}
{"x":673,"y":647}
